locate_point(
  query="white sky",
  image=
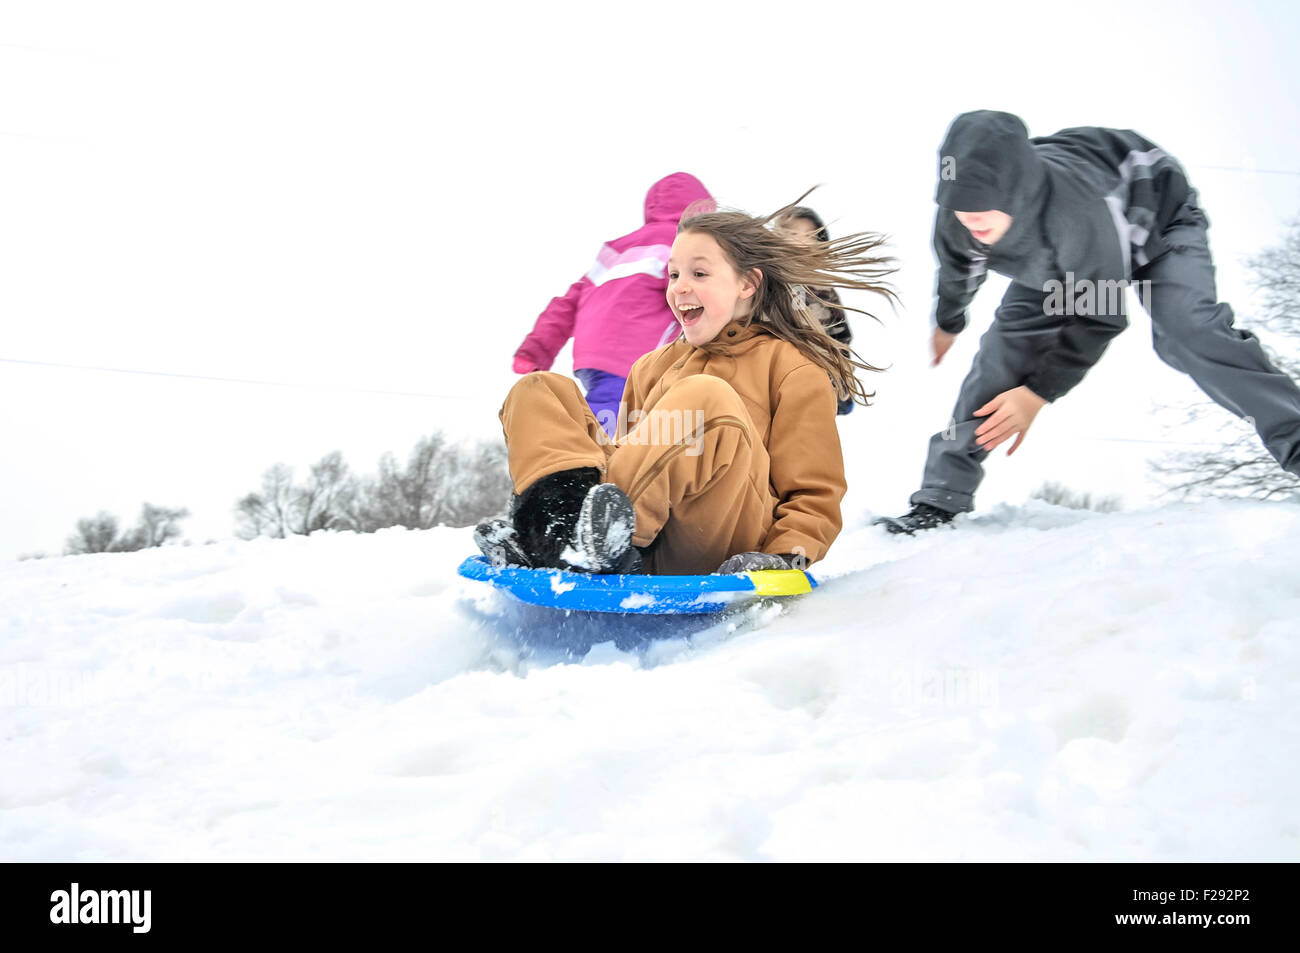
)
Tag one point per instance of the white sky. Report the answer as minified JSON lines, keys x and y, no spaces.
{"x":355,"y":197}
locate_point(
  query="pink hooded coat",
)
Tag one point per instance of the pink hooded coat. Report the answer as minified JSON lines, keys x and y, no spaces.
{"x":617,"y":311}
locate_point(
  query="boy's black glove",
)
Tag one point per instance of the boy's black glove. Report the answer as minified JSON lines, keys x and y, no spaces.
{"x":753,"y":562}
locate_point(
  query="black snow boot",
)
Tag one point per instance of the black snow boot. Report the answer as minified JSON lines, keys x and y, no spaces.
{"x":570,"y":520}
{"x":497,"y":540}
{"x":920,"y":517}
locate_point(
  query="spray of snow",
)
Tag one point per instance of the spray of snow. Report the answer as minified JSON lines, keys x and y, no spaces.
{"x":638,"y":600}
{"x":1039,"y":684}
{"x":560,"y":585}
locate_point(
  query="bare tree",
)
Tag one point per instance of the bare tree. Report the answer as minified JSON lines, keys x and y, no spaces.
{"x":450,"y":485}
{"x":440,"y":484}
{"x":95,"y":534}
{"x":156,"y":526}
{"x":481,"y":486}
{"x":100,"y":533}
{"x":317,"y":505}
{"x":282,"y":508}
{"x":407,"y":496}
{"x":1239,"y":465}
{"x":267,"y":513}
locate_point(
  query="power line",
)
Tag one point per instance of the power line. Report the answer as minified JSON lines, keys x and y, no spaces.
{"x":235,"y":380}
{"x":1243,"y":168}
{"x":53,"y":51}
{"x":37,"y":137}
{"x":1172,"y":443}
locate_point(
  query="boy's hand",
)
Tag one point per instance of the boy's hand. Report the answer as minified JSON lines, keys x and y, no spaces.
{"x":942,"y":342}
{"x":1011,"y":412}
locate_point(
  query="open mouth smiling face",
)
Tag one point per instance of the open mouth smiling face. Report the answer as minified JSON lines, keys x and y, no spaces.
{"x":689,"y":315}
{"x":705,"y":291}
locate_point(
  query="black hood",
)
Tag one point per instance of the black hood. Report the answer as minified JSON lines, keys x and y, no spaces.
{"x":987,"y":162}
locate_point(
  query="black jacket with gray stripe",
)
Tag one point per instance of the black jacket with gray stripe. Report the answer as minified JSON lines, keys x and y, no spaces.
{"x":1086,"y":202}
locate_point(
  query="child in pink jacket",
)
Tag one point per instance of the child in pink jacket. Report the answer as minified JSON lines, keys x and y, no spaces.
{"x":617,"y":311}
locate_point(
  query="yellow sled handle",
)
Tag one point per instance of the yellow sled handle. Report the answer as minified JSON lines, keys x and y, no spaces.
{"x":779,"y":582}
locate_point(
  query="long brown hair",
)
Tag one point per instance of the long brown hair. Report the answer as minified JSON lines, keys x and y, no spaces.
{"x":789,"y":271}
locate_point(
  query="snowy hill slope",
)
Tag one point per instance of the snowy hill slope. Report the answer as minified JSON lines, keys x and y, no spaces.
{"x":1042,"y":684}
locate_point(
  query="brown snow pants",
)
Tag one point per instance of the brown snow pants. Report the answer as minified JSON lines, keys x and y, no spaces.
{"x":692,"y":465}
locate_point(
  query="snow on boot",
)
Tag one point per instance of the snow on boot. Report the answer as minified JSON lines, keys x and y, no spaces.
{"x":922,"y":516}
{"x":497,"y":540}
{"x":546,"y":514}
{"x":602,"y":537}
{"x":629,"y":564}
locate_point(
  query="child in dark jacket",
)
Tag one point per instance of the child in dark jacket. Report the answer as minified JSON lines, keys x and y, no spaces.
{"x":616,"y":311}
{"x":804,"y":225}
{"x":1074,"y":219}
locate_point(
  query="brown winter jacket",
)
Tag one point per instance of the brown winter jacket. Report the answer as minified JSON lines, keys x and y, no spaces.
{"x":791,"y":404}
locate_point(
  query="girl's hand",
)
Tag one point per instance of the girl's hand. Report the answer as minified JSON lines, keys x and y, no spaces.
{"x":942,"y":342}
{"x":1011,"y":412}
{"x":752,"y":562}
{"x":524,"y":366}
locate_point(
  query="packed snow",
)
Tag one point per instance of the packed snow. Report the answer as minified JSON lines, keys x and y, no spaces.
{"x":1038,"y":684}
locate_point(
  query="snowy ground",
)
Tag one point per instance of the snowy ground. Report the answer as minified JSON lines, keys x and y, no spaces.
{"x":1042,"y":684}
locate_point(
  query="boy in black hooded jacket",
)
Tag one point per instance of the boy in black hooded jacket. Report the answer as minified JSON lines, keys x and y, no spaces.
{"x":1073,"y":219}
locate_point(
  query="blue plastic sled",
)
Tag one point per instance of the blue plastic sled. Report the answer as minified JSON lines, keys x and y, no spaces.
{"x":637,"y":595}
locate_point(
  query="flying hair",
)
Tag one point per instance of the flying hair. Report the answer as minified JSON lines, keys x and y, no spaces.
{"x":785,"y":271}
